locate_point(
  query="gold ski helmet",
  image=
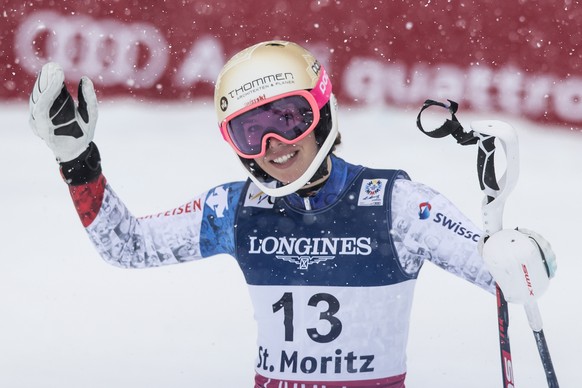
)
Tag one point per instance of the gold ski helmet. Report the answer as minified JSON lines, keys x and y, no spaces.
{"x":267,"y":72}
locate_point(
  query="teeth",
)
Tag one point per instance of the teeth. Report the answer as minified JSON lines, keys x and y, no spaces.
{"x":284,"y":158}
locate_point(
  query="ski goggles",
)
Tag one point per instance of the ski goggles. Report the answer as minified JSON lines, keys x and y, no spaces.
{"x":288,"y":117}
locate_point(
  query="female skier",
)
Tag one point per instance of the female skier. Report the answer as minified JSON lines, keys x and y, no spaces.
{"x":330,"y":250}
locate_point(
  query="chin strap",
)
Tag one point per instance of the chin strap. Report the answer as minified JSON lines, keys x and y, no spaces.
{"x":321,"y":173}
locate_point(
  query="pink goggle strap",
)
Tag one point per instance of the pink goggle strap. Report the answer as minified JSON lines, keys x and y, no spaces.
{"x":322,"y":89}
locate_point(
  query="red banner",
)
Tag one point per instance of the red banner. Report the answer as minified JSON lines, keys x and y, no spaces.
{"x":518,"y":57}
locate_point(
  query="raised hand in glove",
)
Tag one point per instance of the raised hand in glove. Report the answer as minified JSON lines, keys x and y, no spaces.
{"x":522,"y":263}
{"x":66,"y":129}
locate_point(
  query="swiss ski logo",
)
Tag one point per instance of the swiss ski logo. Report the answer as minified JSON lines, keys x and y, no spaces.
{"x":372,"y":192}
{"x":303,"y":262}
{"x":217,"y":200}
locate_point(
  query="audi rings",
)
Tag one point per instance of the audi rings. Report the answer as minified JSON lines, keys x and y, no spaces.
{"x":108,"y":51}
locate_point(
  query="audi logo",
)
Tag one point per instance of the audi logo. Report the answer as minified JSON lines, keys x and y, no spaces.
{"x":106,"y":50}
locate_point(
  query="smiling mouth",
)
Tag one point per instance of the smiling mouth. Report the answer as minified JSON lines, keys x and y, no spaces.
{"x":284,"y":158}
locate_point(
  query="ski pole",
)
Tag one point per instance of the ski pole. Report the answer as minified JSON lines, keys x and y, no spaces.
{"x":494,"y":202}
{"x":496,"y":191}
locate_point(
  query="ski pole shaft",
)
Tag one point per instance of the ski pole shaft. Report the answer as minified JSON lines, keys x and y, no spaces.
{"x":504,"y":348}
{"x":535,"y":321}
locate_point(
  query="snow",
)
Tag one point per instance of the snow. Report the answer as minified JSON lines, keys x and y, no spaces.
{"x":67,"y":319}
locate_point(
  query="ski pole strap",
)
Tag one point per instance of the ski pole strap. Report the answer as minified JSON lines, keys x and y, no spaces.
{"x":450,"y":127}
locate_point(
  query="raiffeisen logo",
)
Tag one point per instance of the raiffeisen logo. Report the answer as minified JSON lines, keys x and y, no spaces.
{"x":424,"y":210}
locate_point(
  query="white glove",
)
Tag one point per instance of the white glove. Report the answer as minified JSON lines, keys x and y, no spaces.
{"x":65,"y":128}
{"x":522,"y":263}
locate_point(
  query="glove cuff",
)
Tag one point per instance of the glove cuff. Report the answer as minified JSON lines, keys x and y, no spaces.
{"x":84,"y":168}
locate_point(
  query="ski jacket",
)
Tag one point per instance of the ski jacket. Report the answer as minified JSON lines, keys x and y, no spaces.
{"x":331,"y":276}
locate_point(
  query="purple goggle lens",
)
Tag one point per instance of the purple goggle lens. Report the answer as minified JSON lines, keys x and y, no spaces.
{"x":287,"y":119}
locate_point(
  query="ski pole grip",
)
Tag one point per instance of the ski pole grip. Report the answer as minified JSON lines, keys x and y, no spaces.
{"x":486,"y":167}
{"x":496,"y":190}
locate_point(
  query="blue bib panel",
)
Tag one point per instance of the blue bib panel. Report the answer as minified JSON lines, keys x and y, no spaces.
{"x":345,"y":243}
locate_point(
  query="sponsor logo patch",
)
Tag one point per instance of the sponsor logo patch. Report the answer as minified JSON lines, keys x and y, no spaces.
{"x":254,"y":197}
{"x":372,"y":192}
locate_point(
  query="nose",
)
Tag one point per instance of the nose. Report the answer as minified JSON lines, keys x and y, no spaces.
{"x":273,"y":142}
